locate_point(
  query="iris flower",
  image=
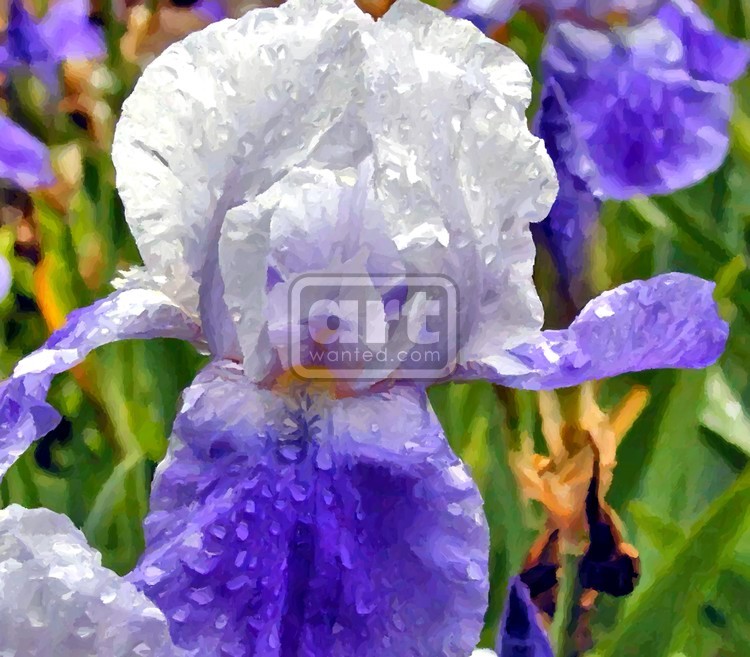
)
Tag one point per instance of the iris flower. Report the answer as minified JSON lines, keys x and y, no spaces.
{"x":332,"y":518}
{"x":39,"y":47}
{"x":635,"y":100}
{"x":64,"y":33}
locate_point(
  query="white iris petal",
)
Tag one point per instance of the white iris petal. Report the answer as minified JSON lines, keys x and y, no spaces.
{"x":420,"y":114}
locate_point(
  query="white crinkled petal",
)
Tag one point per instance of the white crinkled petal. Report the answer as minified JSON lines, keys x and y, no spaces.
{"x":57,"y":598}
{"x":446,"y":111}
{"x":424,"y":113}
{"x":222,"y":115}
{"x":313,"y":220}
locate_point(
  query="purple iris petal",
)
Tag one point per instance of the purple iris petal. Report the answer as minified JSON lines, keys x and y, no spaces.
{"x":667,"y":321}
{"x":24,"y":160}
{"x":69,"y":33}
{"x":710,"y":55}
{"x":64,"y":33}
{"x":649,"y":126}
{"x":24,"y":42}
{"x":576,"y":210}
{"x":338,"y":527}
{"x":601,"y":13}
{"x":213,"y":10}
{"x":132,"y":313}
{"x":484,"y":13}
{"x":591,"y":13}
{"x":521,"y":632}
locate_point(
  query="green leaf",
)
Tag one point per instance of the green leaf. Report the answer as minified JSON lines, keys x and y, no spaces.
{"x":658,"y":614}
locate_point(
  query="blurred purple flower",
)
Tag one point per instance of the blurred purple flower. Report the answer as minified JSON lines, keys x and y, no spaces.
{"x":64,"y":33}
{"x":298,"y":518}
{"x":24,"y":160}
{"x":39,"y":46}
{"x":642,"y":121}
{"x":625,"y":110}
{"x":591,"y":13}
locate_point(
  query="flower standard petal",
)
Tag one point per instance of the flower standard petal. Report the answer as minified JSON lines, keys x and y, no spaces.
{"x":54,"y":591}
{"x":667,"y":321}
{"x":126,"y":314}
{"x":267,"y":88}
{"x":410,"y":194}
{"x":281,"y":528}
{"x":200,"y":178}
{"x":457,"y":169}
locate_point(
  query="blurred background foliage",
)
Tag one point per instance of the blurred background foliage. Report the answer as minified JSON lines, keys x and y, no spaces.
{"x":681,"y":486}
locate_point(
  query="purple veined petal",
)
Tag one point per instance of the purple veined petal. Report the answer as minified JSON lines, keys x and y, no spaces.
{"x":649,"y":127}
{"x":312,"y":527}
{"x":54,"y":592}
{"x":68,"y":32}
{"x":125,"y":314}
{"x":241,"y":95}
{"x":669,"y":321}
{"x":521,"y":632}
{"x":442,"y":189}
{"x":575,"y":213}
{"x":710,"y":55}
{"x":24,"y":160}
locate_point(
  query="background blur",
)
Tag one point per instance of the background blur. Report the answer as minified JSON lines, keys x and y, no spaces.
{"x":681,"y":487}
